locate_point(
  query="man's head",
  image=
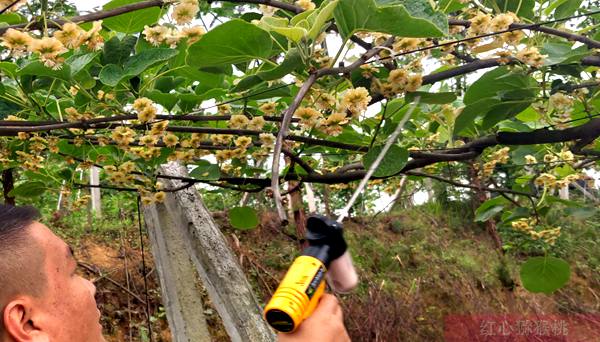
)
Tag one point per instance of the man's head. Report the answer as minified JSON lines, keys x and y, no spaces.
{"x":41,"y":296}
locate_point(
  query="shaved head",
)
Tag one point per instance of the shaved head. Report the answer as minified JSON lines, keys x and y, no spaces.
{"x":21,"y":259}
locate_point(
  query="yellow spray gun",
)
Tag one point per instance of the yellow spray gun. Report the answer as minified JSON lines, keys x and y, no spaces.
{"x":303,"y":285}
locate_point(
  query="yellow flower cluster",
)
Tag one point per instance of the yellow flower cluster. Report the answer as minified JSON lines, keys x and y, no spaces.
{"x":306,"y":5}
{"x":529,"y":159}
{"x":267,"y":139}
{"x":13,"y":6}
{"x":148,"y":198}
{"x":221,"y":139}
{"x":81,"y":202}
{"x":186,"y":11}
{"x":561,"y":102}
{"x":546,"y":179}
{"x":502,"y":21}
{"x":268,"y":107}
{"x":527,"y":226}
{"x":74,"y":116}
{"x":72,"y":36}
{"x":400,"y":81}
{"x":157,"y":35}
{"x":29,"y":161}
{"x":122,"y":174}
{"x":531,"y":56}
{"x":123,"y":136}
{"x":405,"y":44}
{"x":145,"y":109}
{"x":242,"y":122}
{"x":355,"y":101}
{"x":498,"y":157}
{"x":309,"y":117}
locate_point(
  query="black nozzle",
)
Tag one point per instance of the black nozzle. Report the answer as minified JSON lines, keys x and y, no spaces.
{"x":325,"y":238}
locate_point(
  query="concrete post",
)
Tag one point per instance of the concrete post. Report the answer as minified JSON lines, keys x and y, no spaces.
{"x":183,"y":228}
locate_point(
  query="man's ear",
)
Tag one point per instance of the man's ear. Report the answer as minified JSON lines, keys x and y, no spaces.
{"x":21,"y":322}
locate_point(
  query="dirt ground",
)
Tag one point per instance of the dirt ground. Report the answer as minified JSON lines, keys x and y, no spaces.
{"x":411,"y":303}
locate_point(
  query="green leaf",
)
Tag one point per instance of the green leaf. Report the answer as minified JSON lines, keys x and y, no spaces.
{"x":393,"y":162}
{"x":280,"y":25}
{"x":497,"y":81}
{"x":544,"y":274}
{"x":563,"y":52}
{"x":12,"y":18}
{"x":136,"y":64}
{"x":321,"y":16}
{"x":580,"y":213}
{"x":432,"y":98}
{"x":29,"y":189}
{"x":131,"y":22}
{"x":116,"y":50}
{"x":489,"y":209}
{"x":206,"y":171}
{"x":567,"y":8}
{"x":9,"y":69}
{"x":166,"y":100}
{"x":243,"y":218}
{"x":79,"y":62}
{"x":417,"y":18}
{"x":497,"y":95}
{"x":291,"y":62}
{"x":37,"y":68}
{"x":235,"y":41}
{"x":7,"y":108}
{"x":467,"y":117}
{"x":111,"y":75}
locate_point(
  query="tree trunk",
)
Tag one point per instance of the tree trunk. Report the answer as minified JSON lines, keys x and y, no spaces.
{"x":8,"y":183}
{"x":398,"y":201}
{"x":298,"y":211}
{"x":480,"y":197}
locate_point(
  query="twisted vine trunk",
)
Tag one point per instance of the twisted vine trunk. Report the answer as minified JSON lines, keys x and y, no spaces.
{"x":480,"y":197}
{"x":8,"y":183}
{"x":299,"y":213}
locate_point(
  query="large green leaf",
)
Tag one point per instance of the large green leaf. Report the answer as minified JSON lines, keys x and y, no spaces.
{"x":432,"y":98}
{"x":410,"y":18}
{"x":243,"y":218}
{"x":131,"y":22}
{"x":393,"y":162}
{"x":80,"y":61}
{"x":112,"y":74}
{"x":497,"y":95}
{"x":291,"y":62}
{"x":235,"y":41}
{"x":544,"y":274}
{"x":563,"y":52}
{"x":29,"y":189}
{"x":467,"y":117}
{"x":136,"y":64}
{"x":489,"y":209}
{"x":12,"y":18}
{"x":7,"y":108}
{"x":37,"y":68}
{"x":116,"y":50}
{"x":206,"y":171}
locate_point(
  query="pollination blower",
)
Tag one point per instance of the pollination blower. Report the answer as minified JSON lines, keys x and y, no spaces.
{"x":326,"y":257}
{"x":303,"y":285}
